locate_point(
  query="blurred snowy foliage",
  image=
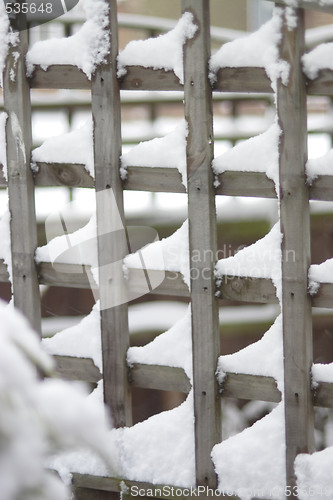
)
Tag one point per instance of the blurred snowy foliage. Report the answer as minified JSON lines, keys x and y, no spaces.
{"x":39,"y":417}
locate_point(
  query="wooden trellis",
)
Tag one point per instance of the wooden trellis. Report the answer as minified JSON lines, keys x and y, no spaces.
{"x":294,"y":219}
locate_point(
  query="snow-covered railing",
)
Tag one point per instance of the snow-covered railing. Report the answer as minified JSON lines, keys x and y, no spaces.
{"x":273,"y":270}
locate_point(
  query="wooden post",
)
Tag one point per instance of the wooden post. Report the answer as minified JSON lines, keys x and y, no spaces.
{"x":295,"y":226}
{"x":112,"y":246}
{"x":20,"y":183}
{"x":202,"y":236}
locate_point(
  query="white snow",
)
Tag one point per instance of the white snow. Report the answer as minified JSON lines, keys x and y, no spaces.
{"x":321,"y":57}
{"x":153,"y":450}
{"x":258,"y":49}
{"x":82,"y":340}
{"x":314,"y":474}
{"x":319,"y":166}
{"x":172,"y":348}
{"x":251,"y":464}
{"x":174,"y":251}
{"x":320,"y":273}
{"x":322,"y":372}
{"x":260,"y":260}
{"x":79,"y":247}
{"x":168,"y":151}
{"x":163,"y":52}
{"x":73,"y":147}
{"x":257,"y":154}
{"x":264,"y":357}
{"x":86,"y":49}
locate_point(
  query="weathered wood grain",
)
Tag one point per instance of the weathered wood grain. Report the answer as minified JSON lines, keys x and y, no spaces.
{"x":252,"y":387}
{"x":164,"y":378}
{"x":23,"y":226}
{"x":111,"y":235}
{"x":72,"y":368}
{"x":59,"y":77}
{"x":62,"y":174}
{"x":202,"y":236}
{"x":295,"y":227}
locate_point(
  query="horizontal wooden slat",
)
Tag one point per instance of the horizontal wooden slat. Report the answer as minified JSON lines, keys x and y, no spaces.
{"x":322,"y":85}
{"x":322,"y":188}
{"x":71,"y":368}
{"x":168,"y":180}
{"x":243,"y":79}
{"x":250,"y":184}
{"x":324,"y":296}
{"x":323,"y":395}
{"x":126,"y":487}
{"x":63,"y":174}
{"x":257,"y":290}
{"x":59,"y":77}
{"x":165,"y":378}
{"x":140,"y":78}
{"x":65,"y":275}
{"x":243,"y":386}
{"x":4,"y":276}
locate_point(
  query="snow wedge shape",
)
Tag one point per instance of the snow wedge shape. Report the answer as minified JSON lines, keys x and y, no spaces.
{"x":260,"y":260}
{"x":314,"y":474}
{"x":82,"y":340}
{"x":322,"y":372}
{"x":164,"y":52}
{"x":173,"y":249}
{"x":86,"y":49}
{"x":167,"y":152}
{"x":264,"y":357}
{"x":259,"y":49}
{"x":319,"y":58}
{"x":319,"y":166}
{"x":171,"y":348}
{"x":258,"y":452}
{"x":320,"y":273}
{"x":160,"y":450}
{"x":74,"y":147}
{"x":257,"y":154}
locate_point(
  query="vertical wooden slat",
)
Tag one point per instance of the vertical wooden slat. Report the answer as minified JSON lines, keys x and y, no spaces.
{"x":111,"y":245}
{"x":295,"y":226}
{"x":20,"y":183}
{"x":202,"y":236}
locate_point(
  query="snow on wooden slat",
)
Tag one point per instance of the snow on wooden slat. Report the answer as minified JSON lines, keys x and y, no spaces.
{"x":20,"y":183}
{"x":245,"y":79}
{"x":295,"y":227}
{"x":168,"y":180}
